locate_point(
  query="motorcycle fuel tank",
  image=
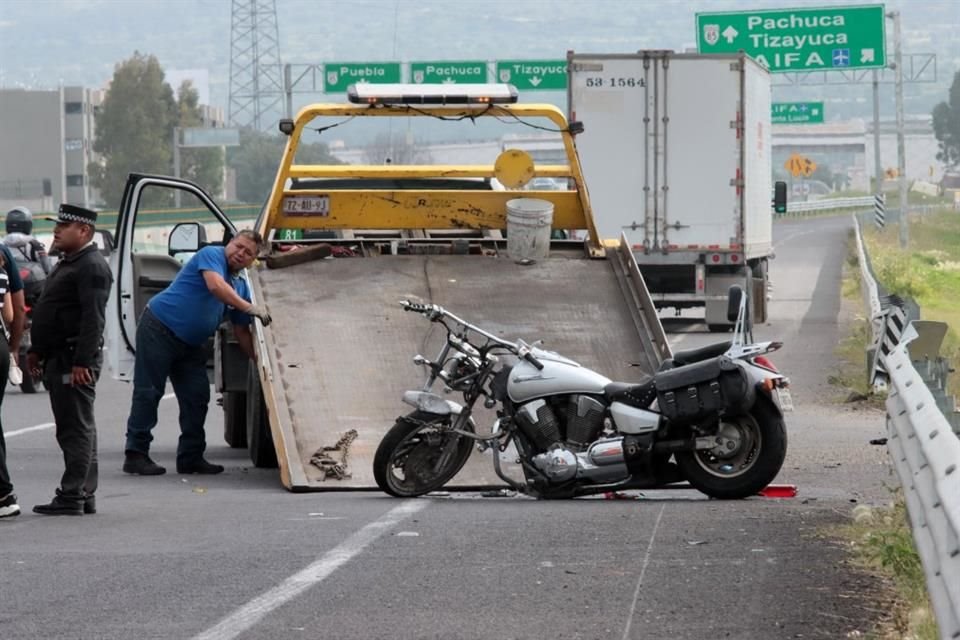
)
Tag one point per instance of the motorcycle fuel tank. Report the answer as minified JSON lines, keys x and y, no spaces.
{"x":559,"y":376}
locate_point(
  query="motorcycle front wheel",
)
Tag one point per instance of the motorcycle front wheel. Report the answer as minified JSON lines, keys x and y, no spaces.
{"x":418,"y":455}
{"x":750,"y":450}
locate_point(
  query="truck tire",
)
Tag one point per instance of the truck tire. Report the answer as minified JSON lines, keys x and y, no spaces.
{"x":259,"y":439}
{"x":759,"y":293}
{"x":235,"y":419}
{"x":720,"y":328}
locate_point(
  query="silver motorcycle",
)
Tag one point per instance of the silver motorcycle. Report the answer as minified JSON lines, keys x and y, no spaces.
{"x":711,"y":416}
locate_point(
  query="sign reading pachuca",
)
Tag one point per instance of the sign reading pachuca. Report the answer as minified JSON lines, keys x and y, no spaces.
{"x":473,"y":72}
{"x":825,"y":38}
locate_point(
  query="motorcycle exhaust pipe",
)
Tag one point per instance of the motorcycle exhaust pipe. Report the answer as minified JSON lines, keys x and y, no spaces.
{"x":609,"y":452}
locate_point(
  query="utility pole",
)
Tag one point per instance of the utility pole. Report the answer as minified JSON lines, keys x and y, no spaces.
{"x":901,"y":152}
{"x":256,"y":73}
{"x":176,"y":164}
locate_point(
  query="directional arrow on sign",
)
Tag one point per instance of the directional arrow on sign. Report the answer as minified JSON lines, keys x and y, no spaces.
{"x":867,"y":55}
{"x":535,"y":80}
{"x":730,"y":34}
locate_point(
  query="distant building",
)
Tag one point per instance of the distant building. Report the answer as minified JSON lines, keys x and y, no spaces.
{"x":46,"y":145}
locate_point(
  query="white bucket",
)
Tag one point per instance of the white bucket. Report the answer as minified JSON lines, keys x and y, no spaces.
{"x":529,"y":221}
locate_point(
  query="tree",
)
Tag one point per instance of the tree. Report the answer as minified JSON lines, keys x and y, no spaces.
{"x":134,"y":126}
{"x":946,"y":125}
{"x":201,"y":165}
{"x":257,"y":158}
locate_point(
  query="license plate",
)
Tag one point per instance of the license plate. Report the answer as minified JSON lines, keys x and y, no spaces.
{"x":306,"y":206}
{"x":784,"y":399}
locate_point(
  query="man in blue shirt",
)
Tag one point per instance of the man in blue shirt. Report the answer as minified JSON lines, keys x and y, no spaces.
{"x":170,"y":343}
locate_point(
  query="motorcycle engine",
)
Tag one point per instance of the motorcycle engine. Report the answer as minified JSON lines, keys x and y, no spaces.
{"x":573,"y":421}
{"x":564,"y":431}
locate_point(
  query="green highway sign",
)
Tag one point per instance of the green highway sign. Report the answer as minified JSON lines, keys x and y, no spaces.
{"x":541,"y":75}
{"x":473,"y":72}
{"x":797,"y":113}
{"x":337,"y":76}
{"x":822,"y":39}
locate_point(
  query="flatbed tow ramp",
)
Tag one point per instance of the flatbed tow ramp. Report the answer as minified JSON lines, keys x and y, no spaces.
{"x":338,"y":355}
{"x":333,"y":365}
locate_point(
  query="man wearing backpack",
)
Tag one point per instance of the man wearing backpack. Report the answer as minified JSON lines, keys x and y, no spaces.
{"x":19,"y":239}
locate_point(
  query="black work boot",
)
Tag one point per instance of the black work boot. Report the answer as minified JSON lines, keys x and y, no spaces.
{"x":140,"y":464}
{"x":199,"y":466}
{"x":61,"y":506}
{"x":89,"y":504}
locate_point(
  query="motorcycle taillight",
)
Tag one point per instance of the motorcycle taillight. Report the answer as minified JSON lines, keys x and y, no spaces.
{"x":24,"y":273}
{"x":765,"y":363}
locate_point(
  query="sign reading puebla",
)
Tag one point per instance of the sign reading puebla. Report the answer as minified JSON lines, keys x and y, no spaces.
{"x":340,"y":75}
{"x":822,"y":39}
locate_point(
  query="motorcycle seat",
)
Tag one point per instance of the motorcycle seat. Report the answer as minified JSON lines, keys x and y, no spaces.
{"x":691,"y":356}
{"x":640,"y":395}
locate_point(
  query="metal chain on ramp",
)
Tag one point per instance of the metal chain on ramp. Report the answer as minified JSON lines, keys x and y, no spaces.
{"x":323,"y":458}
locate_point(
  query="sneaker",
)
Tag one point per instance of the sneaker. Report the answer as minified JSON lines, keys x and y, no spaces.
{"x":60,"y":506}
{"x":9,"y":506}
{"x":140,"y":464}
{"x":89,"y":505}
{"x":199,"y":466}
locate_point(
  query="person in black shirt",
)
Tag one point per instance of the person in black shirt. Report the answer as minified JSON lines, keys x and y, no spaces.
{"x":8,"y":501}
{"x":67,"y":338}
{"x":16,"y":298}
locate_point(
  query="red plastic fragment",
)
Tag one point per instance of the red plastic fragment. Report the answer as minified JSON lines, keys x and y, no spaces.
{"x":779,"y":491}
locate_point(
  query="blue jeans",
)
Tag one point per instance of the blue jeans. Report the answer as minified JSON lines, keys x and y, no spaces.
{"x":161,"y":355}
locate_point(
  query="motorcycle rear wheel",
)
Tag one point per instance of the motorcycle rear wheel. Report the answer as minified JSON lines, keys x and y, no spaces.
{"x":403,"y":465}
{"x":757,"y":448}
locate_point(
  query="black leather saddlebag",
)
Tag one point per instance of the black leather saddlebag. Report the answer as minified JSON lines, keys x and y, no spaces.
{"x":703,"y":390}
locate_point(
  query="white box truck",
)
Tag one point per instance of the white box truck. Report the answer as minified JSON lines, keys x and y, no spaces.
{"x":676,"y":154}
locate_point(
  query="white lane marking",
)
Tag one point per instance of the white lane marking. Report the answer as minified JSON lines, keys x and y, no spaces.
{"x":643,"y":570}
{"x":20,"y":432}
{"x":252,"y":612}
{"x":49,"y":425}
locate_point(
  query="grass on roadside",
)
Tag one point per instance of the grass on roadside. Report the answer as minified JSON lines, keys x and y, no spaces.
{"x":928,"y":272}
{"x":881,"y":542}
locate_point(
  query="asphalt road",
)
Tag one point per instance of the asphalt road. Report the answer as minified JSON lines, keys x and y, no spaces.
{"x":236,"y":556}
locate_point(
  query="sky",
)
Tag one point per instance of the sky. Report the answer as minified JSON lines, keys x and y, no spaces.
{"x":46,"y":43}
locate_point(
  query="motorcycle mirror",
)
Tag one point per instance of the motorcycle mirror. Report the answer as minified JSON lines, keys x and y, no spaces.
{"x":735,"y":296}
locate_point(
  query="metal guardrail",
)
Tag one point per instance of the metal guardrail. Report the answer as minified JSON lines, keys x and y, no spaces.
{"x":831,"y":204}
{"x":868,"y":284}
{"x":926,"y":454}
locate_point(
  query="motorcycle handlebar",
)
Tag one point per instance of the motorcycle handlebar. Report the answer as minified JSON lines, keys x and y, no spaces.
{"x":435,"y":313}
{"x":532,"y":359}
{"x":425,"y":309}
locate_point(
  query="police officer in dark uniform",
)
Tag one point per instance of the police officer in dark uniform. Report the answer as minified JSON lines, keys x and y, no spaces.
{"x":68,"y":324}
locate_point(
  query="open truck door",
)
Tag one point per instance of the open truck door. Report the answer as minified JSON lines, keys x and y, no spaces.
{"x":162,"y":222}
